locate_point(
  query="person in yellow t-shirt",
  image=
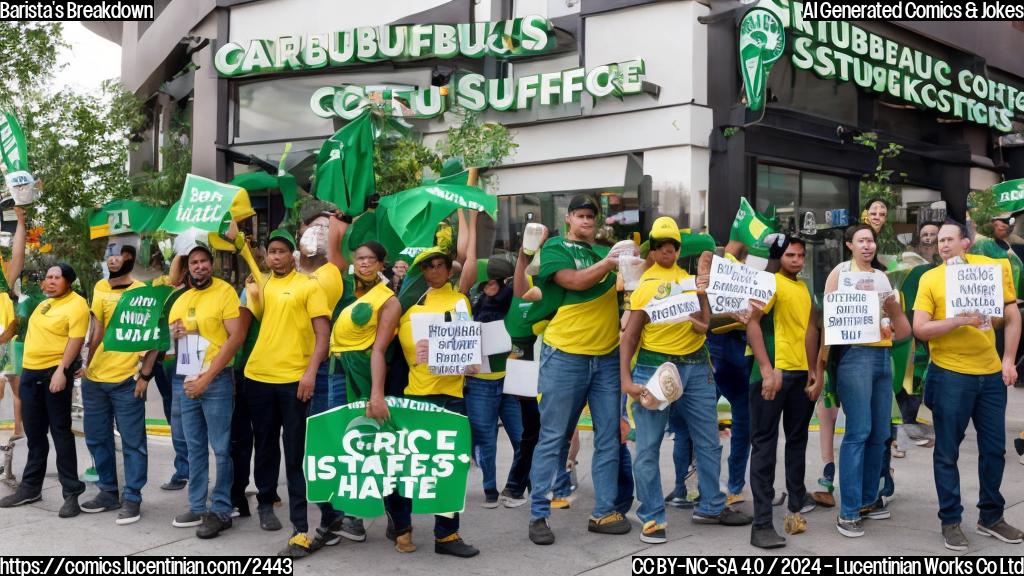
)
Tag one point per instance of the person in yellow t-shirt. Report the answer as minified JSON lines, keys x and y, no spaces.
{"x":10,"y":324}
{"x":668,"y":334}
{"x":444,"y":391}
{"x":114,"y":387}
{"x":53,"y":343}
{"x":864,"y":387}
{"x":784,"y":340}
{"x":579,"y":365}
{"x":281,"y":378}
{"x":967,"y":381}
{"x":207,"y":330}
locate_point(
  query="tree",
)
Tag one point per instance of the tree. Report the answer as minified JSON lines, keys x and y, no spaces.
{"x":30,"y":58}
{"x":878,"y":184}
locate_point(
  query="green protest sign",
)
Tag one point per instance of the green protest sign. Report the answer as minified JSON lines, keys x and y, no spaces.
{"x":137,"y":324}
{"x":1009,"y":195}
{"x":205,"y":204}
{"x":422,"y":453}
{"x":750,"y":228}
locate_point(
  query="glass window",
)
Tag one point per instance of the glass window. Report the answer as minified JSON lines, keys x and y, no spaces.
{"x":803,"y":91}
{"x":619,"y":210}
{"x":793,"y":191}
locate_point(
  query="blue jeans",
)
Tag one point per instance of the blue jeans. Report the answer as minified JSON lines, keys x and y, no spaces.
{"x":698,"y":404}
{"x":624,"y":497}
{"x":682,"y":449}
{"x":732,"y":376}
{"x":321,"y":402}
{"x":337,"y":394}
{"x":955,"y":399}
{"x":864,"y":386}
{"x":207,"y":424}
{"x":568,"y":382}
{"x":177,"y":432}
{"x":104,"y":404}
{"x":484,"y":405}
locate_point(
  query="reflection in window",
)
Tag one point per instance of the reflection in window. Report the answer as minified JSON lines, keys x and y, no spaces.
{"x":793,"y":191}
{"x":620,"y":216}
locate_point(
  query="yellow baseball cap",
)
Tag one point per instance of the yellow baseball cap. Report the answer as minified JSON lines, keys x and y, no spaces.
{"x":430,"y":254}
{"x":665,"y":228}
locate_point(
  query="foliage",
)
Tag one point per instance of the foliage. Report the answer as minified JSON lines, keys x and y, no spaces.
{"x":878,"y":184}
{"x":30,"y":58}
{"x":478,"y":144}
{"x":982,"y":207}
{"x":399,"y":163}
{"x":163,"y":187}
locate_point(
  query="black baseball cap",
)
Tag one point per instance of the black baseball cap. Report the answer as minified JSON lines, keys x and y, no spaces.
{"x":583,"y":201}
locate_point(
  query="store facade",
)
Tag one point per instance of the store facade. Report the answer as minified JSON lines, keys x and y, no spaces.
{"x":606,"y":97}
{"x":944,"y":91}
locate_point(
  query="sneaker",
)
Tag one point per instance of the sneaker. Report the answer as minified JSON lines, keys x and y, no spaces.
{"x":19,"y":498}
{"x":540,"y":532}
{"x":808,"y":505}
{"x":212,"y":526}
{"x":731,"y":499}
{"x":454,"y":546}
{"x":824,"y":499}
{"x":351,"y":528}
{"x":850,"y":528}
{"x":299,"y":546}
{"x":876,"y":511}
{"x":490,"y":501}
{"x":954,"y":537}
{"x":828,"y":476}
{"x":653,"y":533}
{"x":613,"y":523}
{"x":269,"y":521}
{"x":1001,"y":531}
{"x":103,"y":502}
{"x":766,"y":537}
{"x":727,"y":517}
{"x":510,"y":500}
{"x":324,"y":537}
{"x":794,"y":523}
{"x":187,"y":520}
{"x":174,"y":484}
{"x":70,"y":509}
{"x":129,"y":513}
{"x":684,"y":501}
{"x":560,"y":503}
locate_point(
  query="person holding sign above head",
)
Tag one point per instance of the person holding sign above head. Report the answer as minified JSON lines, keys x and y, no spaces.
{"x":446,"y":391}
{"x":967,"y":379}
{"x":578,"y":365}
{"x":784,"y":340}
{"x":668,"y":321}
{"x":114,"y":389}
{"x":863,"y":376}
{"x":56,"y":332}
{"x":281,"y":378}
{"x":204,"y":323}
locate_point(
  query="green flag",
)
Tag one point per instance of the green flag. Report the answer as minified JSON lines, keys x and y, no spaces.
{"x":125,"y":216}
{"x":750,"y":228}
{"x":206,"y":204}
{"x":344,"y":166}
{"x":138,"y":323}
{"x":1009,"y":195}
{"x":422,"y":453}
{"x":13,"y":146}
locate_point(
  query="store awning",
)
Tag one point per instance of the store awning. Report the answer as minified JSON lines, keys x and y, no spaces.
{"x":589,"y":174}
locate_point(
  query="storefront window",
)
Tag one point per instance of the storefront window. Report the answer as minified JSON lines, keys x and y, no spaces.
{"x":794,"y":191}
{"x":620,"y":215}
{"x":804,"y":92}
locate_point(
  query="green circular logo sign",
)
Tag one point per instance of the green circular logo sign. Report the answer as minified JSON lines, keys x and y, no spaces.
{"x":762,"y":39}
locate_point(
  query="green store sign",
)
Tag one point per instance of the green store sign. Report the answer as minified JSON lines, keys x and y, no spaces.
{"x":839,"y":49}
{"x":762,"y":41}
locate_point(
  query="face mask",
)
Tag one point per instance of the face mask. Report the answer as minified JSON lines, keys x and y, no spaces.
{"x":127,"y":265}
{"x":199,"y":285}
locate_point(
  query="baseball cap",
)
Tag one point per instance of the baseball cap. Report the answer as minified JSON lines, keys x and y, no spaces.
{"x":430,"y":254}
{"x":284,"y":235}
{"x":583,"y":201}
{"x":665,"y":228}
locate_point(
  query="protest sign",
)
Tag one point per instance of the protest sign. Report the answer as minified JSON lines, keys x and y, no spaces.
{"x":974,"y":288}
{"x":138,"y":324}
{"x":733,"y":285}
{"x":453,"y":347}
{"x":191,"y":354}
{"x":204,"y":204}
{"x":422,"y":453}
{"x":852,"y":317}
{"x":673,"y":308}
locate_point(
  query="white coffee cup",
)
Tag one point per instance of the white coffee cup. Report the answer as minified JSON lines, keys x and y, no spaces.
{"x":531,"y":237}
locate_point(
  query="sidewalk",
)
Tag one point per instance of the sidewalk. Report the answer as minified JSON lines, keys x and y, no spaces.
{"x":501,"y":534}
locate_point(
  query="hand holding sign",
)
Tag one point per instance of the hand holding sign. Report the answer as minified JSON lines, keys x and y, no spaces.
{"x":732,"y":286}
{"x":454,"y":347}
{"x":974,"y":289}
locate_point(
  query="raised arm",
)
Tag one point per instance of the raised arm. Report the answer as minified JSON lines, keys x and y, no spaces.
{"x":17,"y":262}
{"x":335,"y":236}
{"x":468,"y":277}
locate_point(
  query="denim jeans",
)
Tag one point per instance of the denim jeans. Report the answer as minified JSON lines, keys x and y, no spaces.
{"x":567,"y":383}
{"x":279,"y":418}
{"x":732,"y":377}
{"x":399,"y":508}
{"x":955,"y":399}
{"x":337,"y":393}
{"x":104,"y":404}
{"x":484,"y":405}
{"x":241,"y":444}
{"x":682,"y":449}
{"x":519,"y":474}
{"x":177,"y":432}
{"x":864,"y":386}
{"x":320,"y":402}
{"x":624,"y":496}
{"x":206,"y":421}
{"x":42,"y":410}
{"x":698,"y":404}
{"x":792,"y":406}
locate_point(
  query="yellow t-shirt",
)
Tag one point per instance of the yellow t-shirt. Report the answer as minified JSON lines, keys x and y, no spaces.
{"x":348,"y":336}
{"x":204,"y":311}
{"x":286,"y":338}
{"x":6,"y":311}
{"x":966,"y":349}
{"x":421,"y":381}
{"x":328,"y":277}
{"x":677,"y":338}
{"x":792,"y":307}
{"x":110,"y":367}
{"x":590,"y":328}
{"x":52,"y":324}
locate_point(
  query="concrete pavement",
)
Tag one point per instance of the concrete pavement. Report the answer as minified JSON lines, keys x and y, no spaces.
{"x":501,"y":534}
